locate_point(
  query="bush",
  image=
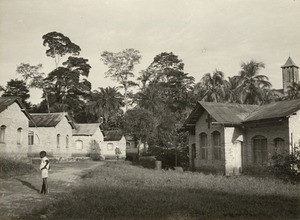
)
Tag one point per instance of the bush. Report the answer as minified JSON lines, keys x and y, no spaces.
{"x":95,"y":152}
{"x":286,"y":167}
{"x":12,"y":167}
{"x":167,"y":156}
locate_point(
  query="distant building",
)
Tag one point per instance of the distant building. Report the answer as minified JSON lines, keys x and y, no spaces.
{"x":84,"y":136}
{"x":290,"y":74}
{"x":228,"y":138}
{"x":14,"y":121}
{"x":113,"y":139}
{"x":51,"y":132}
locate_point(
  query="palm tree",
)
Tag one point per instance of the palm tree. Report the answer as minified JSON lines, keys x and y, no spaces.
{"x":214,"y":86}
{"x":232,"y":95}
{"x":252,"y":87}
{"x":294,"y":90}
{"x":105,"y":102}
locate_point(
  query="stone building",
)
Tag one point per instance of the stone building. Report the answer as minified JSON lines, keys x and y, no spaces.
{"x":226,"y":138}
{"x":14,"y":122}
{"x":113,"y":139}
{"x":84,"y":136}
{"x":51,"y":132}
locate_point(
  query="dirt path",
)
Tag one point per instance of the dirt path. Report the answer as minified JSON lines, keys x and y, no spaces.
{"x":20,"y":195}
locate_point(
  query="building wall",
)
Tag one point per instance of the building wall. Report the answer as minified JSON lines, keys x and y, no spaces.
{"x":110,"y":153}
{"x":86,"y":143}
{"x":192,"y":141}
{"x":48,"y":140}
{"x":294,"y":131}
{"x":210,"y":163}
{"x":13,"y":118}
{"x":289,"y":75}
{"x":271,"y":130}
{"x":233,"y":150}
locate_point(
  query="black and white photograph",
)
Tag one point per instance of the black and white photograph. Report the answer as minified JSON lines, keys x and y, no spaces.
{"x":161,"y":109}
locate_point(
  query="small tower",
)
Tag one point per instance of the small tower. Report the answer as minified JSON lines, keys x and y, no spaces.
{"x":290,"y":74}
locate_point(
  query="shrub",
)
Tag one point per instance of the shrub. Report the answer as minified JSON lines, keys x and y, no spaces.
{"x":95,"y":152}
{"x":167,"y":156}
{"x":13,"y":167}
{"x":286,"y":167}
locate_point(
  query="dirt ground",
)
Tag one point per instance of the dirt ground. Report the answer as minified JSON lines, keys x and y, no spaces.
{"x":20,"y":195}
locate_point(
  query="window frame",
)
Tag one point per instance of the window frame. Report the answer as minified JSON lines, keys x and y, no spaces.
{"x":19,"y":136}
{"x":58,"y":140}
{"x":2,"y":133}
{"x":217,"y":154}
{"x":30,"y":138}
{"x":203,"y":146}
{"x":260,"y":150}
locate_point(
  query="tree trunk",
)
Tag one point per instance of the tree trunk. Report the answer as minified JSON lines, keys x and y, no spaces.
{"x":47,"y":100}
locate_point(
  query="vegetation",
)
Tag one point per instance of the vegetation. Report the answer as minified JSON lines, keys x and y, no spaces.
{"x":120,"y":191}
{"x":12,"y":167}
{"x":120,"y":66}
{"x":165,"y":95}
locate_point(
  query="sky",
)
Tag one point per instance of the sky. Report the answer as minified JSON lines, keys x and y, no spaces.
{"x":205,"y":34}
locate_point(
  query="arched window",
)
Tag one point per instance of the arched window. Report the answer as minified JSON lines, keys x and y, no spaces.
{"x":2,"y":133}
{"x":19,"y":136}
{"x":30,"y":138}
{"x":203,"y":146}
{"x":79,"y":145}
{"x":279,"y":146}
{"x":260,"y":149}
{"x":216,"y":144}
{"x":58,"y":140}
{"x":67,"y":141}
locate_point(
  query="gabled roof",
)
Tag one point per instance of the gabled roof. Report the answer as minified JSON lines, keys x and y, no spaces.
{"x":9,"y":100}
{"x":86,"y":129}
{"x":275,"y":110}
{"x":114,"y":135}
{"x":50,"y":119}
{"x":225,"y":113}
{"x":236,"y":114}
{"x":289,"y":63}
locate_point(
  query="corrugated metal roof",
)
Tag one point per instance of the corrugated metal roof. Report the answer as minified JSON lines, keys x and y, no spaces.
{"x":114,"y":135}
{"x":228,"y":112}
{"x":235,"y":114}
{"x":7,"y":101}
{"x":49,"y":119}
{"x":86,"y":129}
{"x":289,"y":63}
{"x":275,"y":110}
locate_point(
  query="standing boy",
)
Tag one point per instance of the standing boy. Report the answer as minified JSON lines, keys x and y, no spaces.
{"x":44,"y":167}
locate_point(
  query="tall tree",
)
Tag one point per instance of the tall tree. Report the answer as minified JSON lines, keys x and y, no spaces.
{"x":34,"y":78}
{"x":58,"y":46}
{"x":18,"y":88}
{"x":67,"y":81}
{"x":252,"y":86}
{"x":165,"y":92}
{"x":105,"y":103}
{"x":120,"y":66}
{"x":214,"y":86}
{"x":140,"y":124}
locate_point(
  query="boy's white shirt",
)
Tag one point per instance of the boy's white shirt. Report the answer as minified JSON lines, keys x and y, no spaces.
{"x":43,"y":163}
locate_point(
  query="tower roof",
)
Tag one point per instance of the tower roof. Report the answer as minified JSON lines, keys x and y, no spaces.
{"x":289,"y":63}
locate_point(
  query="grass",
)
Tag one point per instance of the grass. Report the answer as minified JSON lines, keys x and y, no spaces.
{"x":122,"y":191}
{"x":13,"y":167}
